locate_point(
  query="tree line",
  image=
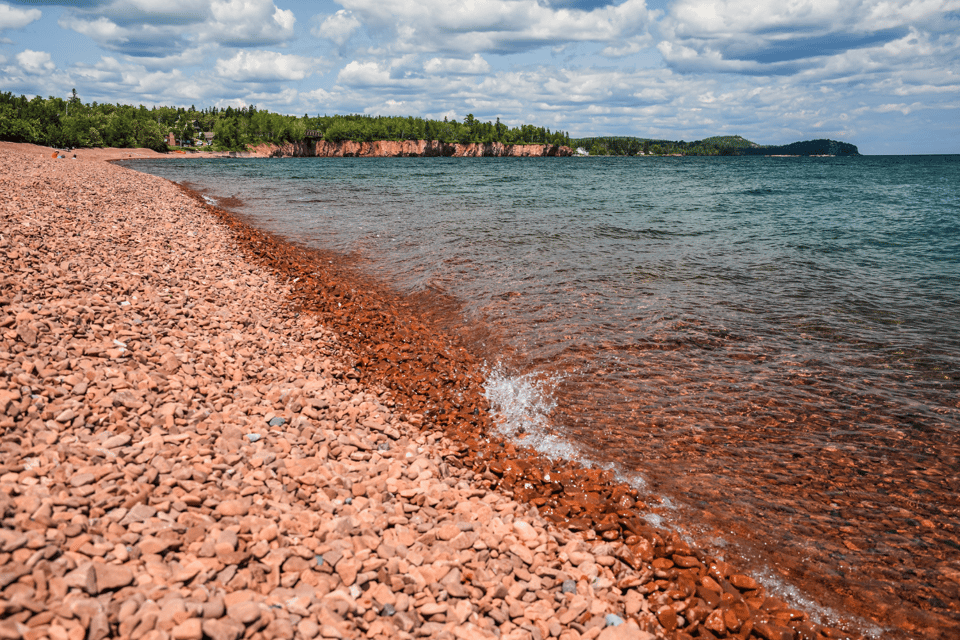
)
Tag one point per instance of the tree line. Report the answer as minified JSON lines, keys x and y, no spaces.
{"x":715,"y":146}
{"x":61,"y":123}
{"x":626,"y":146}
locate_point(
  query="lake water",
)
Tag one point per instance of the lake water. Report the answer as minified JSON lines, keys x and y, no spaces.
{"x":771,"y":346}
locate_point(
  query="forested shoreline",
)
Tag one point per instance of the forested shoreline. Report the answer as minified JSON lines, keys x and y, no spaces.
{"x":61,"y":123}
{"x":715,"y":146}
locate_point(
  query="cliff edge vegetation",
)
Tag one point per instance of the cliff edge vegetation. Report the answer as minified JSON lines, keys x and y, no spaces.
{"x":62,"y":123}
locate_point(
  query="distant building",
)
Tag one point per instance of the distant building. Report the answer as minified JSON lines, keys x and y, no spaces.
{"x":208,"y":138}
{"x":171,"y":140}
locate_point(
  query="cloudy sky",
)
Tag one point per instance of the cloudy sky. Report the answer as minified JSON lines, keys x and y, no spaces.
{"x":883,"y":74}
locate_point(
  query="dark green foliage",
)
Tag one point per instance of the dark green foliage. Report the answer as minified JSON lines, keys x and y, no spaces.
{"x":821,"y":147}
{"x":62,"y":123}
{"x":625,"y":146}
{"x":715,"y":146}
{"x":363,"y":128}
{"x":70,"y":123}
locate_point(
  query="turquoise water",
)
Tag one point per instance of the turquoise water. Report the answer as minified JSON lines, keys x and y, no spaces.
{"x":770,"y":347}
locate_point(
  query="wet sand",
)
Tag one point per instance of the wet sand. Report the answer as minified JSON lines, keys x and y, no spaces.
{"x":210,"y":432}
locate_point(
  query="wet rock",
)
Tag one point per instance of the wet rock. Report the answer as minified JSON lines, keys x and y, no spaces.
{"x":770,"y":631}
{"x":668,"y":618}
{"x":743,"y":583}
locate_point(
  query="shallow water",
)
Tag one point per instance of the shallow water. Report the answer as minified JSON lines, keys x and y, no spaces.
{"x":770,"y":346}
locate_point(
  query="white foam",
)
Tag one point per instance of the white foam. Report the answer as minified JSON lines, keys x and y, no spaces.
{"x":521,"y":407}
{"x":776,"y":585}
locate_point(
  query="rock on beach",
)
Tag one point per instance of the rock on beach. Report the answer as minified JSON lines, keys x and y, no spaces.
{"x":140,"y":351}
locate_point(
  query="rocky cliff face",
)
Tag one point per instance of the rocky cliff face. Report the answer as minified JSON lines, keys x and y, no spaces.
{"x":406,"y":149}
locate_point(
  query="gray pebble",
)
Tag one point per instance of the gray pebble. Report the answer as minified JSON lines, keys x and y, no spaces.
{"x":388,"y":610}
{"x":569,"y":586}
{"x":277,"y":422}
{"x":253,"y":437}
{"x":319,"y":560}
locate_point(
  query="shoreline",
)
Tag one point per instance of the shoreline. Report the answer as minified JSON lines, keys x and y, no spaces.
{"x":677,"y":583}
{"x":322,"y":149}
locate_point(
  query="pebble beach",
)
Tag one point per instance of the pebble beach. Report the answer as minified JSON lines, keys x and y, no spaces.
{"x":206,"y":436}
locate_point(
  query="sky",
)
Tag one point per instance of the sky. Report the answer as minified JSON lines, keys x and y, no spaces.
{"x":882,"y":74}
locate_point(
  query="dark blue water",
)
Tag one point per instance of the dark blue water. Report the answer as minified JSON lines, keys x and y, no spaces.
{"x":770,"y":347}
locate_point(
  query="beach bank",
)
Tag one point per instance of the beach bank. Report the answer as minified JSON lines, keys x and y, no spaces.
{"x":202,"y":438}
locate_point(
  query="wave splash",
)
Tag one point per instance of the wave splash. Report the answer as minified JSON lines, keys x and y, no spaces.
{"x":521,"y":405}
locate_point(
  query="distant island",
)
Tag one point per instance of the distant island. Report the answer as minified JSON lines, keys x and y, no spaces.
{"x":715,"y":146}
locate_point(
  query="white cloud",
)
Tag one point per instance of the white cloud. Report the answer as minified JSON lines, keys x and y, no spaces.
{"x":338,"y":28}
{"x":317,"y":96}
{"x":107,"y":70}
{"x":35,"y":62}
{"x":729,"y":18}
{"x":903,"y":108}
{"x":284,"y":97}
{"x":182,"y":58}
{"x":13,"y":18}
{"x":628,"y":47}
{"x":457,"y":66}
{"x":249,"y":22}
{"x":777,"y":36}
{"x":267,"y":66}
{"x":503,"y":26}
{"x":368,"y":73}
{"x":102,"y":30}
{"x":157,"y":28}
{"x":111,"y":77}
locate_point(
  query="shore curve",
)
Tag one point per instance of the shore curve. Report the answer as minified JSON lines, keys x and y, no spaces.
{"x":198,"y":443}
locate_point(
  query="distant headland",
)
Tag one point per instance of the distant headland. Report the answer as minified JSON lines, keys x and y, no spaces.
{"x":715,"y":146}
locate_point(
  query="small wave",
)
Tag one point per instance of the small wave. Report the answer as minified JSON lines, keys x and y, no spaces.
{"x":521,"y":406}
{"x":779,"y":586}
{"x":210,"y":201}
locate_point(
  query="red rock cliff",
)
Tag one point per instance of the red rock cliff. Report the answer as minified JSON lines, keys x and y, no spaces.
{"x":405,"y":149}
